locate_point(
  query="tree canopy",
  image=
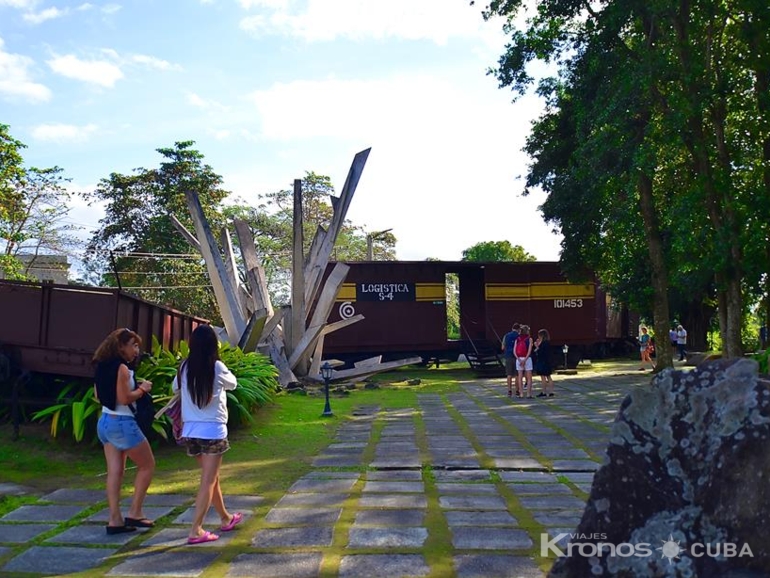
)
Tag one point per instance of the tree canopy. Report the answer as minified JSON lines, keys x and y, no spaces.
{"x":34,"y":204}
{"x":654,"y":149}
{"x":497,"y":251}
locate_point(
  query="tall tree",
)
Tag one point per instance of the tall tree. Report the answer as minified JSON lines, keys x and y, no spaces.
{"x":151,"y":257}
{"x":638,"y":80}
{"x":34,"y":204}
{"x":497,"y":251}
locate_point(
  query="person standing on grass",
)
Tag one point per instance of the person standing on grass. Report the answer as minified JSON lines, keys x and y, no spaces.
{"x":510,"y":362}
{"x":203,"y":381}
{"x":117,"y":429}
{"x":543,"y":365}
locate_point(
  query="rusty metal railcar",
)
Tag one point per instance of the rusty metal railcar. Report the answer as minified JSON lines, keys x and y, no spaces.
{"x":55,"y":329}
{"x":404,"y":304}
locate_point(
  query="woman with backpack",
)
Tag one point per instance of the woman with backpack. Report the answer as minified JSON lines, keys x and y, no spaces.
{"x":203,"y":384}
{"x":522,"y":349}
{"x":117,"y":390}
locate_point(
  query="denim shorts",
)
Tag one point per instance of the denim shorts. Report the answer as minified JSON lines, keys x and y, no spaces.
{"x":121,"y":431}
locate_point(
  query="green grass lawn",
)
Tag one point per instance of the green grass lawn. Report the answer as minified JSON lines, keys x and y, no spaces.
{"x":265,"y":458}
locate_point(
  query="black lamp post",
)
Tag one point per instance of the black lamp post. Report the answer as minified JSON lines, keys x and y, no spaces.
{"x":564,"y":350}
{"x":326,"y":373}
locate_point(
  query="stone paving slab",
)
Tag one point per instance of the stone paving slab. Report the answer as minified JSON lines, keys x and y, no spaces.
{"x":293,"y":537}
{"x":59,"y":560}
{"x":545,"y":489}
{"x":20,"y":533}
{"x":212,"y":517}
{"x":383,"y":566}
{"x":575,"y":465}
{"x":393,"y":501}
{"x":528,"y":477}
{"x":394,"y":476}
{"x":152,"y":512}
{"x":552,"y":502}
{"x":484,"y":518}
{"x":316,"y":485}
{"x":462,"y":475}
{"x":42,"y":513}
{"x":387,"y":537}
{"x":517,"y":464}
{"x":482,"y":538}
{"x":396,"y":463}
{"x":389,"y":518}
{"x":485,"y":566}
{"x":303,"y":516}
{"x":177,"y":537}
{"x":73,"y":496}
{"x":165,"y":500}
{"x":305,"y":565}
{"x":456,"y":488}
{"x":88,"y":534}
{"x":331,"y":475}
{"x":167,"y":563}
{"x":293,"y":500}
{"x":472,"y":503}
{"x":394,"y":487}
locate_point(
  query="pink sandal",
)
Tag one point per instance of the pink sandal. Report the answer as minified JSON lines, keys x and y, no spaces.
{"x":203,"y":538}
{"x":237,"y":518}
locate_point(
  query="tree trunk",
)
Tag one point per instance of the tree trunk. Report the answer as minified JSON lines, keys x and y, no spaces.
{"x":659,"y":277}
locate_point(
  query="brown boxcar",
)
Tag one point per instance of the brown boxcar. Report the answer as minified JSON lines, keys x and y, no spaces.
{"x":405,"y":311}
{"x":55,"y":329}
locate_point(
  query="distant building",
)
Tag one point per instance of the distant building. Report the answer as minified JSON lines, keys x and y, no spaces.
{"x":45,"y":267}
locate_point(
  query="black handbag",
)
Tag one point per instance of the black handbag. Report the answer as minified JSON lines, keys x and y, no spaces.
{"x":144,"y":413}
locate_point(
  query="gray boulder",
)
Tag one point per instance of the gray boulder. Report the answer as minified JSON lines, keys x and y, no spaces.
{"x":685,"y":489}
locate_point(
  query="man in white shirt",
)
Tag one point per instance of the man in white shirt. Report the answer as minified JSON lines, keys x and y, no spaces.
{"x":681,"y":341}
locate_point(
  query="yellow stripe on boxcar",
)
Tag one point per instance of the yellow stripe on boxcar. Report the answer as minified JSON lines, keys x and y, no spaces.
{"x":538,"y":291}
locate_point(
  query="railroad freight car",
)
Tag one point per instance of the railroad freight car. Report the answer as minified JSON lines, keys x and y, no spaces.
{"x":55,"y":329}
{"x":404,"y":304}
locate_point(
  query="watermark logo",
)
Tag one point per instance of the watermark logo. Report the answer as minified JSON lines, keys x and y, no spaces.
{"x":595,"y":545}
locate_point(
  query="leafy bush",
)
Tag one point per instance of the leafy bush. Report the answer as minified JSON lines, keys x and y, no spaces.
{"x":76,"y":409}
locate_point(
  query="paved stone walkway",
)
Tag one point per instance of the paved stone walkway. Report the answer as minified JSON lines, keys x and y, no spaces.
{"x":485,"y":473}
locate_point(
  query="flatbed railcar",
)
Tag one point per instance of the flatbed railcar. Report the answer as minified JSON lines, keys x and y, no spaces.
{"x":404,"y":304}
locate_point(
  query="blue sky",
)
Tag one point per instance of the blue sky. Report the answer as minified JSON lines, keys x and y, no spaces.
{"x":271,"y":88}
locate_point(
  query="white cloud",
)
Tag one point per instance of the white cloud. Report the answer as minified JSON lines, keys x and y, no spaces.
{"x":85,"y":6}
{"x":204,"y":103}
{"x":98,"y":72}
{"x":436,"y":143}
{"x":324,"y":20}
{"x":43,"y":15}
{"x":28,"y":4}
{"x":153,"y":62}
{"x":15,"y":81}
{"x":111,"y":8}
{"x":62,"y":133}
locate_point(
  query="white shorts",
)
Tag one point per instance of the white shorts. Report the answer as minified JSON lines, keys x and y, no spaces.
{"x":526,"y":366}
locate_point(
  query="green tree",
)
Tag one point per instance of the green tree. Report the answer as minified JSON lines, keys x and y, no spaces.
{"x":151,"y":257}
{"x":271,"y":223}
{"x":34,"y":204}
{"x":494,"y":251}
{"x":646,"y":148}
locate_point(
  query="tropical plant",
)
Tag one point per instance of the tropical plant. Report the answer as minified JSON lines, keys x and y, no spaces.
{"x":76,"y":408}
{"x":74,"y":405}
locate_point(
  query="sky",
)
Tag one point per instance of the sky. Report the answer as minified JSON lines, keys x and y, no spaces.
{"x":270,"y":89}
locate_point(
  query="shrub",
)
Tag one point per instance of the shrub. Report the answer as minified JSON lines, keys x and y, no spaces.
{"x":76,"y":409}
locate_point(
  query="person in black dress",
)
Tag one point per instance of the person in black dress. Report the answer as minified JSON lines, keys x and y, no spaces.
{"x":543,"y":364}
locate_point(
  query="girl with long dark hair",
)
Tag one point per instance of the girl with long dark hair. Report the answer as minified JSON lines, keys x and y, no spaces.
{"x":116,"y":389}
{"x":203,"y":382}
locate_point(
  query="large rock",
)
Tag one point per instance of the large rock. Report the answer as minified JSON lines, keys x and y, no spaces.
{"x":687,"y":476}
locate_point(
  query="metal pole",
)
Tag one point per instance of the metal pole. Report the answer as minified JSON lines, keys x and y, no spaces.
{"x":327,"y":408}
